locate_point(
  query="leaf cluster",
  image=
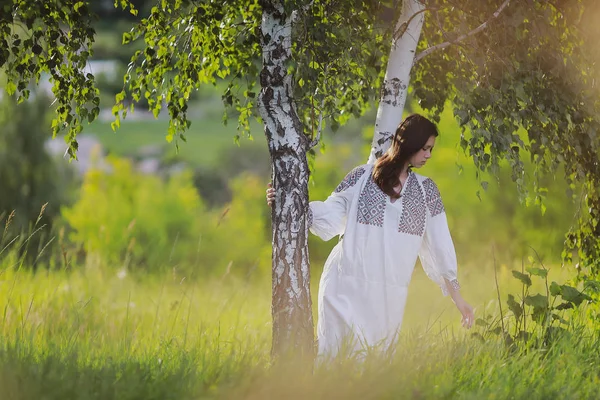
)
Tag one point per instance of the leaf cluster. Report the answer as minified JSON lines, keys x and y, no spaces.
{"x":524,"y":87}
{"x":187,"y":44}
{"x":537,"y":319}
{"x":54,"y":38}
{"x":338,"y":55}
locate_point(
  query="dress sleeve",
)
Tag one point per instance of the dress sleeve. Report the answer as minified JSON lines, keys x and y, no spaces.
{"x":327,"y":219}
{"x":437,"y":253}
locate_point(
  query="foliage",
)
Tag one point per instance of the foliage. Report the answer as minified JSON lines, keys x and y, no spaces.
{"x":537,"y":320}
{"x":186,"y":47}
{"x":106,"y":10}
{"x":237,"y":235}
{"x":524,"y":88}
{"x":142,"y":223}
{"x":53,"y":38}
{"x":124,"y":216}
{"x":32,"y":183}
{"x":497,"y":216}
{"x":28,"y":175}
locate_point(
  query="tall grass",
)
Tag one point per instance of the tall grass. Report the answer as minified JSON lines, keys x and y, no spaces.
{"x":98,"y":334}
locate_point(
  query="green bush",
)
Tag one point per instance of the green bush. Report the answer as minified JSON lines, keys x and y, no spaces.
{"x":123,"y":216}
{"x":30,"y":179}
{"x":126,"y":219}
{"x":238,"y":236}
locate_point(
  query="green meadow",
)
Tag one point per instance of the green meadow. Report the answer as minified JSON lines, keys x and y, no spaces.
{"x":95,"y":334}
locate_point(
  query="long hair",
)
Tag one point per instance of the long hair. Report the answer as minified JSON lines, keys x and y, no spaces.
{"x":410,"y":137}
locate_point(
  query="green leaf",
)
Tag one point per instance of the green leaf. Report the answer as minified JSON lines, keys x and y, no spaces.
{"x":573,"y":295}
{"x":555,"y":289}
{"x":564,"y":306}
{"x":335,"y":125}
{"x":538,"y":271}
{"x":477,"y":335}
{"x":11,"y":88}
{"x":538,"y":301}
{"x":522,"y":277}
{"x":314,"y":65}
{"x":523,"y":335}
{"x":592,"y":285}
{"x":515,"y":307}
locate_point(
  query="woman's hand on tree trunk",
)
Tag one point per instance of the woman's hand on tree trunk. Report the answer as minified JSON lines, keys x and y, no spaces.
{"x":270,"y":195}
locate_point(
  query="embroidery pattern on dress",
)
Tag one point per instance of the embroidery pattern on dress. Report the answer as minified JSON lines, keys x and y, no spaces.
{"x":350,"y":180}
{"x":433,"y":197}
{"x":454,"y":284}
{"x":371,"y":205}
{"x":412,"y":220}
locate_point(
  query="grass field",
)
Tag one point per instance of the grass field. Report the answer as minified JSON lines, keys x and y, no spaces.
{"x":96,"y":334}
{"x":205,"y":139}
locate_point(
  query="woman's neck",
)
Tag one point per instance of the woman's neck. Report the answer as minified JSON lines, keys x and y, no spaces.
{"x":404,"y":171}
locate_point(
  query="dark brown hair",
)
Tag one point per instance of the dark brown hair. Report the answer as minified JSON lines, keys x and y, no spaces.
{"x":411,"y":136}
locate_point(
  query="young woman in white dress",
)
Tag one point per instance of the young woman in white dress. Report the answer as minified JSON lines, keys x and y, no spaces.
{"x":386,"y":216}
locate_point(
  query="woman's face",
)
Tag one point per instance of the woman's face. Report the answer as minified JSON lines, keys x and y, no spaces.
{"x":419,"y":159}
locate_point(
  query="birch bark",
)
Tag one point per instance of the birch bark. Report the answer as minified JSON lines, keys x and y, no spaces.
{"x":291,"y":304}
{"x":397,"y":76}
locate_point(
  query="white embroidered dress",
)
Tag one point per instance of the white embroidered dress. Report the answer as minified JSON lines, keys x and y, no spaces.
{"x":363,"y":289}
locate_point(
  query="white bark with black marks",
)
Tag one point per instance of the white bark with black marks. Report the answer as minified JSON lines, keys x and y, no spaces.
{"x":291,"y":307}
{"x":397,"y":76}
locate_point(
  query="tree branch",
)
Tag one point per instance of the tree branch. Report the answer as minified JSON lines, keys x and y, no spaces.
{"x":475,"y":31}
{"x":400,"y":30}
{"x":319,"y":129}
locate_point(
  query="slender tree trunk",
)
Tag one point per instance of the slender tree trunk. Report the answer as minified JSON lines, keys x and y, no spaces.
{"x":291,"y":308}
{"x":397,"y":76}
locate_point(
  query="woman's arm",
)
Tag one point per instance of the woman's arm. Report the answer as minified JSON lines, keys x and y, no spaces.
{"x":438,"y":255}
{"x":327,"y":219}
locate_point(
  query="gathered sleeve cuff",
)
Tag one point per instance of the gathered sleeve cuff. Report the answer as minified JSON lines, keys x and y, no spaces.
{"x":437,"y":253}
{"x":327,"y":219}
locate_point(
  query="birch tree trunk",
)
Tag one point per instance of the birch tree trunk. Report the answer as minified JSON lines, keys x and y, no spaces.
{"x":293,"y":331}
{"x":397,"y":76}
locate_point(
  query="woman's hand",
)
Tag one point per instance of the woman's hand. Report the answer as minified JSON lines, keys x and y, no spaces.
{"x":270,"y":195}
{"x":468,"y":317}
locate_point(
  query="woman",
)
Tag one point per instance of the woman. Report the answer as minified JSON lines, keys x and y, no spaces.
{"x":386,"y":216}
